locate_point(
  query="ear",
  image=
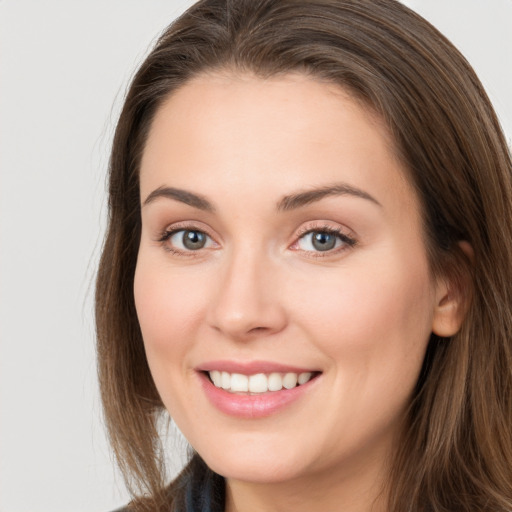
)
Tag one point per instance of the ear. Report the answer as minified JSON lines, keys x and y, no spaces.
{"x":452,"y":297}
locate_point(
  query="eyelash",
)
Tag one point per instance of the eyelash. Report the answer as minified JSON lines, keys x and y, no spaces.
{"x":347,"y":241}
{"x":168,"y":233}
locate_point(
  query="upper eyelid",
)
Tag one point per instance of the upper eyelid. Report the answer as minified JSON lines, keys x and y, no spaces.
{"x":188,"y":226}
{"x":324,"y":225}
{"x":347,"y":235}
{"x":330,"y":229}
{"x":338,"y":232}
{"x":166,"y":236}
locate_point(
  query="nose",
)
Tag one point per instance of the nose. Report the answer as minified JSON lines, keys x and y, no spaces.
{"x":247,"y":302}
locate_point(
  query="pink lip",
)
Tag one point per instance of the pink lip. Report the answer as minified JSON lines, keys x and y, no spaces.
{"x":253,"y":406}
{"x":250,"y":367}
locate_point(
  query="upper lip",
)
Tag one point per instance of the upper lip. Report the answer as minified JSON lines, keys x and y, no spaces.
{"x":251,"y":367}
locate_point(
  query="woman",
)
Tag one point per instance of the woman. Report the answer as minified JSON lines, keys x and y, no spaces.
{"x":308,"y":266}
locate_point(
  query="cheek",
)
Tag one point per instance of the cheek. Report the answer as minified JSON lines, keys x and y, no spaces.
{"x":373,"y":327}
{"x":371,"y":320}
{"x":168,"y":306}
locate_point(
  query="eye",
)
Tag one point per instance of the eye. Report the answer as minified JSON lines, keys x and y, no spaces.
{"x":323,"y":240}
{"x":187,"y":240}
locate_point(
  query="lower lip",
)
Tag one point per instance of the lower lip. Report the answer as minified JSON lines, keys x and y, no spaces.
{"x":253,"y":406}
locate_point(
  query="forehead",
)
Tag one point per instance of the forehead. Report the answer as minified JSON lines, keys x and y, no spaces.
{"x":224,"y":132}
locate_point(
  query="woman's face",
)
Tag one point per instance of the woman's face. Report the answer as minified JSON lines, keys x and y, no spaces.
{"x":280,"y":242}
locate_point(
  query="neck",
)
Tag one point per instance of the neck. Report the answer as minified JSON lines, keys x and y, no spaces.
{"x":362,"y":489}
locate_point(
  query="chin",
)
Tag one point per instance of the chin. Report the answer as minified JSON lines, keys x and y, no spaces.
{"x":256,"y":466}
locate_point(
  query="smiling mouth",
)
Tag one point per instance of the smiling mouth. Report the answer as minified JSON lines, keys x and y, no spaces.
{"x":258,"y":383}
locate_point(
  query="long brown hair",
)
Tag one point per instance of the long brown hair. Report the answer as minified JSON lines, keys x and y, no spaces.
{"x":456,"y":453}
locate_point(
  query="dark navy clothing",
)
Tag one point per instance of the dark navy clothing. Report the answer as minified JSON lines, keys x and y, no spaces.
{"x":206,"y":494}
{"x":197,"y":489}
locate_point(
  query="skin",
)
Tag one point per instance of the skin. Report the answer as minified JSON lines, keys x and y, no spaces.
{"x":361,"y":314}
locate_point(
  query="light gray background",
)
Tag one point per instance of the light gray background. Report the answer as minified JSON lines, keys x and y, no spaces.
{"x":64,"y":66}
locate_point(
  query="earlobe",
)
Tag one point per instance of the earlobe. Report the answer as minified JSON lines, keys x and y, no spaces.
{"x":452,"y":298}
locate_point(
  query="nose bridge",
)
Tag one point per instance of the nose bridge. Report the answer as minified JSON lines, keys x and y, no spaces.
{"x":247,"y":300}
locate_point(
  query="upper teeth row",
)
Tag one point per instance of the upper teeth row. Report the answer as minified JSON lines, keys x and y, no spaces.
{"x":258,"y":383}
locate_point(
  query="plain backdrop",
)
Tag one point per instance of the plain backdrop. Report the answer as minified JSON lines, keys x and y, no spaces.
{"x":64,"y":68}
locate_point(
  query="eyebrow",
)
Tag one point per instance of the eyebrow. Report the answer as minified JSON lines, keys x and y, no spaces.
{"x":293,"y":201}
{"x":287,"y":203}
{"x":183,"y":196}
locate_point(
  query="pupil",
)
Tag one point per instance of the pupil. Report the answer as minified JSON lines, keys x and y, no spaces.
{"x":194,"y":239}
{"x":323,"y":241}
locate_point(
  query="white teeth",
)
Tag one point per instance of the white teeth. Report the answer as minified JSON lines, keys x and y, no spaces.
{"x":304,"y":377}
{"x":290,"y":380}
{"x":225,"y":380}
{"x":239,"y":383}
{"x":275,"y":382}
{"x":216,"y":378}
{"x":259,"y":382}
